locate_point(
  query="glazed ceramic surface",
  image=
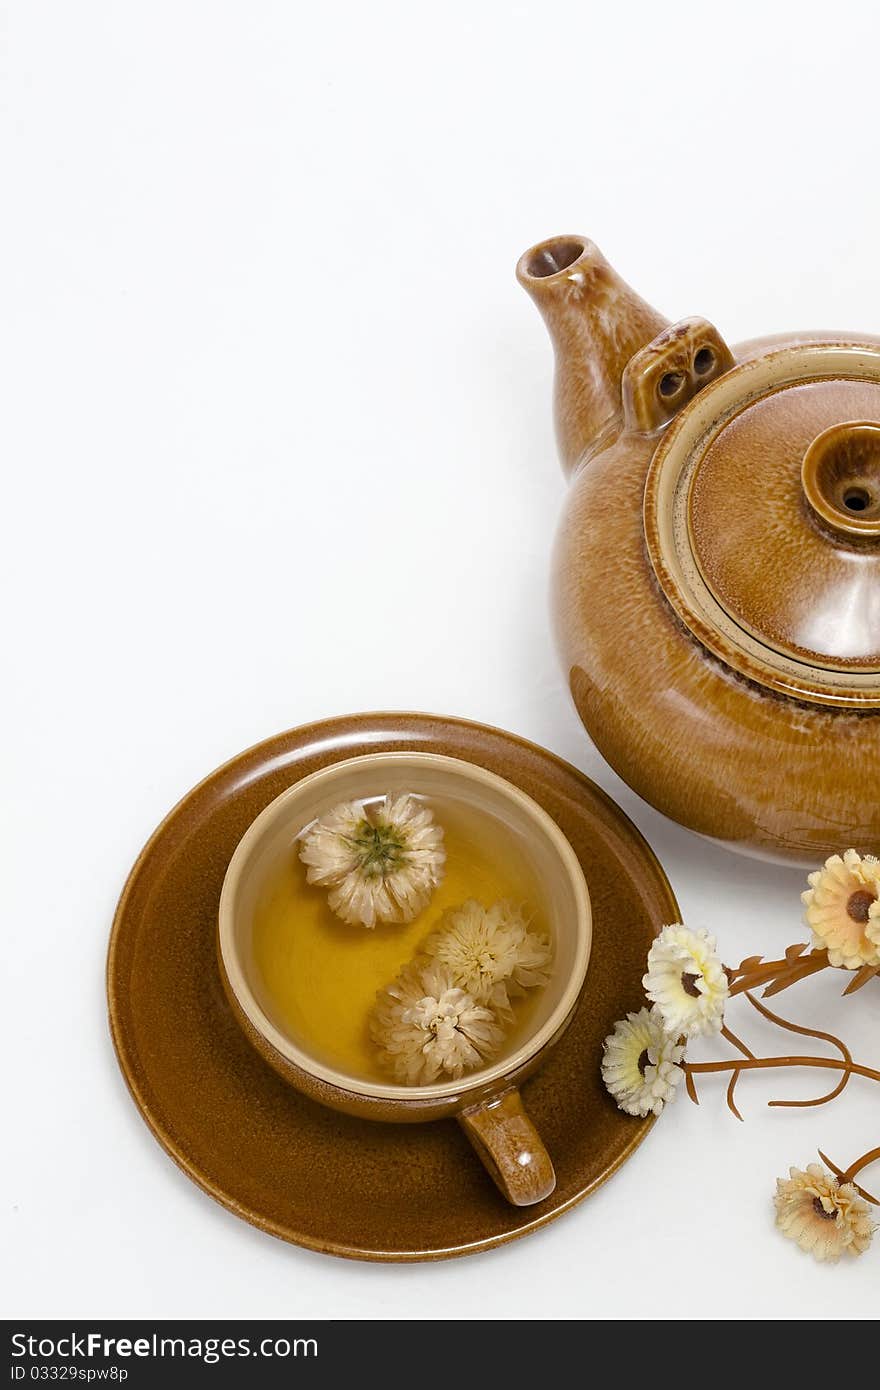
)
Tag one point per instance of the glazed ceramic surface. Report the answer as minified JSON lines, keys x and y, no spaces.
{"x":296,"y":1168}
{"x":485,"y":1102}
{"x":717,"y":570}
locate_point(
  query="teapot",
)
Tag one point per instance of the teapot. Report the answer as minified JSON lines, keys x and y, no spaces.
{"x":716,"y":574}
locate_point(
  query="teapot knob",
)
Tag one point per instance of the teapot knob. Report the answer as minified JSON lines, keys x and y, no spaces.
{"x":669,"y":371}
{"x":841,"y":478}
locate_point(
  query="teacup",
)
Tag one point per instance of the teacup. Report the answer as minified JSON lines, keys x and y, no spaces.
{"x":486,"y":1102}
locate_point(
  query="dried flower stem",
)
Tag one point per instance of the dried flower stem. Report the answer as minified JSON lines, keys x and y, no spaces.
{"x":807,"y":1033}
{"x":871,"y":1156}
{"x":848,"y":1174}
{"x":737,"y":1042}
{"x":861,"y":977}
{"x":757,"y":1063}
{"x":777,"y":975}
{"x":749,"y":1062}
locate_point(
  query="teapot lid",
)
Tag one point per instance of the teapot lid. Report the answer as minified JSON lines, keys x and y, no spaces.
{"x":762,"y":519}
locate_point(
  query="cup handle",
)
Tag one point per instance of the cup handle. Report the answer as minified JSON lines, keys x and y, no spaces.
{"x":510,"y":1148}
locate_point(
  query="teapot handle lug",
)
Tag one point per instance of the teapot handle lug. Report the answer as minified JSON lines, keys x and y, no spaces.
{"x":667,"y":373}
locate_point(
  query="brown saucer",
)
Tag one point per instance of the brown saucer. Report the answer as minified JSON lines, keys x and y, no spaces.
{"x":310,"y":1175}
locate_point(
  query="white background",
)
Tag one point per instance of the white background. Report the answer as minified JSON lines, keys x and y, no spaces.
{"x":278,"y":445}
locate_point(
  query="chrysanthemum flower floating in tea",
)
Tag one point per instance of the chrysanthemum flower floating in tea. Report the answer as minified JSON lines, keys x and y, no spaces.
{"x":687,"y":981}
{"x":380,"y":863}
{"x":640,"y":1063}
{"x":843,"y":910}
{"x":491,"y":952}
{"x":824,"y":1216}
{"x":427,"y":1028}
{"x":443,"y":1014}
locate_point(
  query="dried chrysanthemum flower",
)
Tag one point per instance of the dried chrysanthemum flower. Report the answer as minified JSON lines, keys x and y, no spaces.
{"x":825,"y":1217}
{"x":843,"y":909}
{"x":381,"y":863}
{"x":490,"y":952}
{"x":640,"y":1063}
{"x":426,"y":1028}
{"x":687,"y":981}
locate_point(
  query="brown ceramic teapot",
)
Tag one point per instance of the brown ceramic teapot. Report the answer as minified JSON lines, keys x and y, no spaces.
{"x":717,"y":572}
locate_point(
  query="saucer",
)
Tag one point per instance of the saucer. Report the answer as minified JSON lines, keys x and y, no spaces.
{"x":310,"y":1175}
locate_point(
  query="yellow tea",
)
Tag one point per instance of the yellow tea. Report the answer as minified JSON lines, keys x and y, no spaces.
{"x":321,"y":975}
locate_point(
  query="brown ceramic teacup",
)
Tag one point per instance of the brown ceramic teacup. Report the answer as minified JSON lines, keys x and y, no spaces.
{"x":486,"y":1102}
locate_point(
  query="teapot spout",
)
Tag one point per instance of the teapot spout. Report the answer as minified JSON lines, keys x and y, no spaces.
{"x":596,"y":323}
